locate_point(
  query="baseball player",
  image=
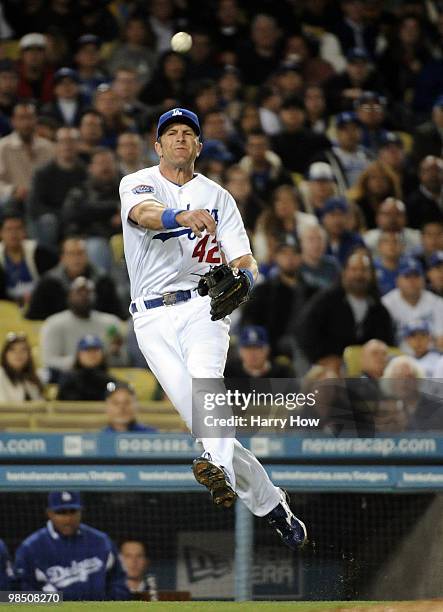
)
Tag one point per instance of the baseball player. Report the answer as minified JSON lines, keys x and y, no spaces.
{"x":179,"y":229}
{"x":69,"y":556}
{"x":6,"y":574}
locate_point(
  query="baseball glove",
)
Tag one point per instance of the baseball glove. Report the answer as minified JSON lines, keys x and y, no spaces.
{"x":227,"y":288}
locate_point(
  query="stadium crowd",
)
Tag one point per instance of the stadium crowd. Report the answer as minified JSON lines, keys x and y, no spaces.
{"x":324,"y":119}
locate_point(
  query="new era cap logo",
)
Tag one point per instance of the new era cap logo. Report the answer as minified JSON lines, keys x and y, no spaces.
{"x":176,"y":112}
{"x":66,"y":496}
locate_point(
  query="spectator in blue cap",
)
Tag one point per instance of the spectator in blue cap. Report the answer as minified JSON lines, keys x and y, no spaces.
{"x":89,"y":376}
{"x":371,"y":112}
{"x":68,"y":105}
{"x":390,"y":247}
{"x":121,"y":409}
{"x":88,"y":64}
{"x":419,"y":344}
{"x":214,"y":160}
{"x":411,"y":301}
{"x":69,"y":557}
{"x":392,"y":153}
{"x":435,"y":273}
{"x":255,"y":360}
{"x":335,"y":220}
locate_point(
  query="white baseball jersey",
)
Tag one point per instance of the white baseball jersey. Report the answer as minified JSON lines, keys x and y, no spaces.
{"x":429,"y":308}
{"x":159,"y":261}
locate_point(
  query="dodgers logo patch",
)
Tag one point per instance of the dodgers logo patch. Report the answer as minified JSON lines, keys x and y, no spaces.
{"x":143,"y":189}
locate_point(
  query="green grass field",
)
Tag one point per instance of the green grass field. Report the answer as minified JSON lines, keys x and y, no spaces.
{"x":197,"y":606}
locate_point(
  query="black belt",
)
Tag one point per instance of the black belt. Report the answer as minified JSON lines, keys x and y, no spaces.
{"x":168,"y":299}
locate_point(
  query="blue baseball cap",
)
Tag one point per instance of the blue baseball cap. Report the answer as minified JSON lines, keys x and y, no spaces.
{"x":416,"y":327}
{"x":64,"y":500}
{"x":389,"y":138}
{"x":89,"y":342}
{"x":436,"y":259}
{"x":409,"y":267}
{"x":333,"y":204}
{"x":253,"y":335}
{"x":217,"y":150}
{"x":346,"y":118}
{"x":65,"y":73}
{"x":178,"y":115}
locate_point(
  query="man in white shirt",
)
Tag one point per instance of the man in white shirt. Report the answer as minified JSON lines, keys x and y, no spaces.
{"x":412,"y":302}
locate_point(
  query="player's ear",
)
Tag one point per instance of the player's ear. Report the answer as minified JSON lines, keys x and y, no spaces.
{"x":199,"y":148}
{"x":158,"y":148}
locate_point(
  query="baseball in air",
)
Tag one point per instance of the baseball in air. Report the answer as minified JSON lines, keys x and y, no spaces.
{"x":181,"y":42}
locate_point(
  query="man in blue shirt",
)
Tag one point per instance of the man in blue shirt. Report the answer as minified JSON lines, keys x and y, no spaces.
{"x":121,"y":409}
{"x":70,"y":557}
{"x":341,"y":241}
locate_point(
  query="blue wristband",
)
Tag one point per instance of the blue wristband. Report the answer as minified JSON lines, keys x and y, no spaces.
{"x":249,"y":276}
{"x":168,"y":218}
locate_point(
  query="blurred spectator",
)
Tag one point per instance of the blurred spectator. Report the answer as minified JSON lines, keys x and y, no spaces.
{"x":68,"y":106}
{"x":344,"y":89}
{"x":248,"y":121}
{"x":18,"y":379}
{"x":255,"y":361}
{"x":315,"y":69}
{"x":374,"y":358}
{"x":352,"y":30}
{"x":35,"y":76}
{"x":391,"y":217}
{"x":373,"y":186}
{"x":435,"y":273}
{"x":426,"y":203}
{"x":288,"y":80}
{"x":93,"y":209}
{"x":371,"y":112}
{"x":213,"y":160}
{"x":296,"y":145}
{"x":136,"y":51}
{"x":202,"y":59}
{"x":116,"y":121}
{"x":269,"y":102}
{"x":347,"y":158}
{"x":22,"y":261}
{"x":402,"y":380}
{"x":230,"y":29}
{"x":390,"y":416}
{"x":238,"y":183}
{"x":127,"y":86}
{"x":162,"y":22}
{"x":130,"y":154}
{"x":96,"y":18}
{"x":318,"y":188}
{"x":8,"y":87}
{"x":276,"y":302}
{"x":316,"y":111}
{"x":50,"y":185}
{"x":392,"y":153}
{"x":230,"y":95}
{"x":264,"y":167}
{"x":428,"y":137}
{"x":261,"y":53}
{"x":390,"y":248}
{"x":346,"y":314}
{"x":46,"y":127}
{"x":51,"y":292}
{"x":121,"y":410}
{"x":216,"y":126}
{"x":92,"y":132}
{"x":21,"y":153}
{"x":168,"y":86}
{"x":404,"y":57}
{"x":318,"y":270}
{"x":136,"y":564}
{"x":88,"y":64}
{"x":279,"y":223}
{"x":6,"y":574}
{"x":61,"y":332}
{"x":87,"y":379}
{"x":418,"y":343}
{"x":70,"y":557}
{"x":431,"y":241}
{"x":412,"y":302}
{"x":334,"y":218}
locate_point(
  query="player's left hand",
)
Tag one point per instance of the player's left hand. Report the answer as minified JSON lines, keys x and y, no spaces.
{"x":227,"y":287}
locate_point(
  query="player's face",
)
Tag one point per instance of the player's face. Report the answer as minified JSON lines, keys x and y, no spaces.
{"x":134,"y":559}
{"x":178,"y":146}
{"x":66,"y":521}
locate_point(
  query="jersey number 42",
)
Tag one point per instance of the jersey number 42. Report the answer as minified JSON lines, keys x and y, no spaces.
{"x":213,"y":254}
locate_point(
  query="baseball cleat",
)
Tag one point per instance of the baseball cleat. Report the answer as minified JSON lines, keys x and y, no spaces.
{"x":290,"y":528}
{"x":214,"y":478}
